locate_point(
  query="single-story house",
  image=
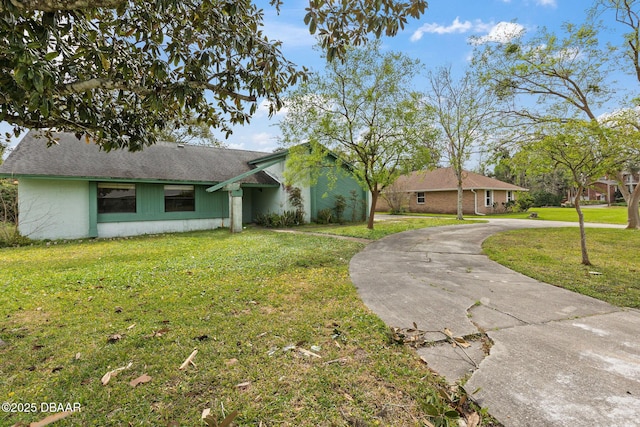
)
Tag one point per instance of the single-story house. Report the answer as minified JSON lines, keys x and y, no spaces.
{"x":436,"y":191}
{"x":74,"y":190}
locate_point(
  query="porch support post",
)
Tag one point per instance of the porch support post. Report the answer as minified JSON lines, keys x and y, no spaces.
{"x":235,"y":206}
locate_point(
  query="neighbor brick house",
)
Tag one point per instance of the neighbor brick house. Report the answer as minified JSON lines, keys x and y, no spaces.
{"x":436,"y":192}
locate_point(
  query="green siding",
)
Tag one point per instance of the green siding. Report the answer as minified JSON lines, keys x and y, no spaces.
{"x":150,"y":205}
{"x":323,"y":196}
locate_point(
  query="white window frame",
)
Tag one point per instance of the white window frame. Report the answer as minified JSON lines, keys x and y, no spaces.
{"x":421,"y":195}
{"x":510,"y":197}
{"x":488,"y":198}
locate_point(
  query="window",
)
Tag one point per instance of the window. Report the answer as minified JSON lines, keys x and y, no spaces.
{"x":420,"y":197}
{"x":510,"y":196}
{"x":116,"y":198}
{"x":179,"y":198}
{"x":488,"y":198}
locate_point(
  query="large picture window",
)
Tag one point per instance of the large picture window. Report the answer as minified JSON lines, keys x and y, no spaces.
{"x":116,"y":198}
{"x":179,"y":198}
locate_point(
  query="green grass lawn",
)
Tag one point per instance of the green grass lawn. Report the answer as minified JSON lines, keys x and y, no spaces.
{"x":384,"y":228}
{"x":553,"y":256}
{"x":608,"y":215}
{"x":250,"y":303}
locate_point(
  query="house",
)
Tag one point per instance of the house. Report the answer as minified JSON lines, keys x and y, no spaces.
{"x":436,"y":191}
{"x":75,"y":190}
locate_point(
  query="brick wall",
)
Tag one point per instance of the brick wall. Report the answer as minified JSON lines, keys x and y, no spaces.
{"x":446,"y":202}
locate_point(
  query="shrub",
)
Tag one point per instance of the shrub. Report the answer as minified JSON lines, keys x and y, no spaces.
{"x":296,"y":200}
{"x":8,"y":201}
{"x":325,"y":216}
{"x":544,"y":198}
{"x":524,"y":201}
{"x":340,"y":206}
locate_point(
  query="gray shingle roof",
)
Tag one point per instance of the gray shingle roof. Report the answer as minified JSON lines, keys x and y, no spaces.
{"x":73,"y":158}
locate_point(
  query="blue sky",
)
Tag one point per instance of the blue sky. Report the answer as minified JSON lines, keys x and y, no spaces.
{"x":440,"y":37}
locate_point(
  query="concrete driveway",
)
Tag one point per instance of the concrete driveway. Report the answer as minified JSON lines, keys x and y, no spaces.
{"x":556,"y":358}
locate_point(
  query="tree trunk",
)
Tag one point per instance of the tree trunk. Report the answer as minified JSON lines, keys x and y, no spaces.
{"x":372,"y":211}
{"x":633,"y":214}
{"x":632,"y":199}
{"x":460,"y":195}
{"x":583,"y":235}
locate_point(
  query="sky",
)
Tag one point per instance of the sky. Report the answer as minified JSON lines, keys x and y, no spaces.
{"x":439,"y":38}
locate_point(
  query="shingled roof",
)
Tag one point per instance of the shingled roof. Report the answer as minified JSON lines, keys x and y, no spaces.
{"x":72,"y":158}
{"x":444,"y":179}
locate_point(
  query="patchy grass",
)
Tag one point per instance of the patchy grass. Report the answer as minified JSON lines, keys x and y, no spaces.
{"x":386,"y":227}
{"x":69,"y":313}
{"x":553,"y":256}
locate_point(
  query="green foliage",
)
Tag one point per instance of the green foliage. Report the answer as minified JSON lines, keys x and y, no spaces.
{"x":122,"y":70}
{"x":524,"y":201}
{"x":325,"y":216}
{"x":340,"y":206}
{"x":8,"y":201}
{"x":365,"y":112}
{"x":295,"y":199}
{"x":543,"y":198}
{"x":274,"y":220}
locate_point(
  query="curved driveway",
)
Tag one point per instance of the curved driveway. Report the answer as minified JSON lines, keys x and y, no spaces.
{"x":557,"y":358}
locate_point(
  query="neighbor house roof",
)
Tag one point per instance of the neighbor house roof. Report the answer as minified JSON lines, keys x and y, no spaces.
{"x":444,"y":179}
{"x":73,"y":158}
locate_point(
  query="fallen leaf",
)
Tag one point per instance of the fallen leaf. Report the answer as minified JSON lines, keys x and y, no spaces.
{"x":188,"y":360}
{"x":231,"y":362}
{"x":308,"y":353}
{"x":107,"y":377}
{"x":131,"y":327}
{"x":51,"y":419}
{"x":473,"y":420}
{"x":448,"y":333}
{"x":78,"y":355}
{"x":244,"y":385}
{"x":462,"y":342}
{"x":144,"y":378}
{"x":205,"y":413}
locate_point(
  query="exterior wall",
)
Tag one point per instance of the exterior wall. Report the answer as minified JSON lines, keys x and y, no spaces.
{"x":135,"y":228}
{"x":278,"y":201}
{"x":446,"y":202}
{"x":324,"y":193}
{"x":53,"y":209}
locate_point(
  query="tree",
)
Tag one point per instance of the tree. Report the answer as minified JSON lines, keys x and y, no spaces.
{"x":567,"y":76}
{"x":580,"y":148}
{"x":122,"y":70}
{"x":627,"y":13}
{"x":197,"y":133}
{"x":363,"y":110}
{"x":465,"y":113}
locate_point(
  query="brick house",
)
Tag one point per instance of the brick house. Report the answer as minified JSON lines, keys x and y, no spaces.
{"x":436,"y":192}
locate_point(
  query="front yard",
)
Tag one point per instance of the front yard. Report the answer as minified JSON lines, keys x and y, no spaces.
{"x":281,"y":334}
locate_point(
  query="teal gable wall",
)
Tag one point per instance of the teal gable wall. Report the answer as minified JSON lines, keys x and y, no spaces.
{"x":323,"y":196}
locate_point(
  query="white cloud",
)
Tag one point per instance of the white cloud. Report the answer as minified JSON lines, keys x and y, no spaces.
{"x":456,"y":26}
{"x":547,"y":3}
{"x":502,"y":32}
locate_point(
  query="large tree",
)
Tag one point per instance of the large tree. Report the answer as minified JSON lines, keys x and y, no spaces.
{"x":364,"y":110}
{"x":627,"y":14}
{"x":567,"y":76}
{"x":466,"y":114}
{"x":120,"y":70}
